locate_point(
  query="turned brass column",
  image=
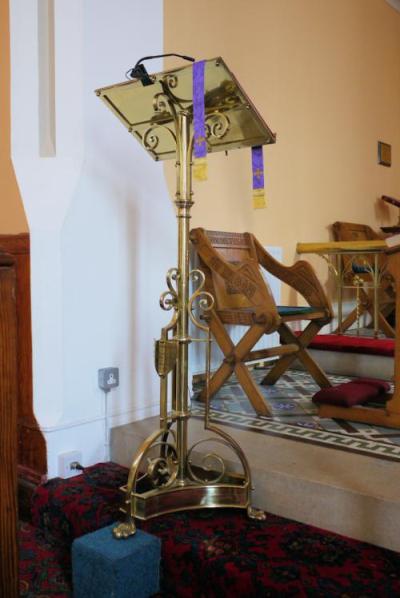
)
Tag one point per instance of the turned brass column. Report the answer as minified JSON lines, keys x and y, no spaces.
{"x":183,"y":203}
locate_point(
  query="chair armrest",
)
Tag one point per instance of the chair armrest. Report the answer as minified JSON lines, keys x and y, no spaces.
{"x":300,"y":276}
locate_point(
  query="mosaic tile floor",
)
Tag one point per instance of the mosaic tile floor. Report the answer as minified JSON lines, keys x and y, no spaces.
{"x":295,"y":416}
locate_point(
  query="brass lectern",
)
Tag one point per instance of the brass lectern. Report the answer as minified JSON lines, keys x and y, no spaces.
{"x":167,"y":474}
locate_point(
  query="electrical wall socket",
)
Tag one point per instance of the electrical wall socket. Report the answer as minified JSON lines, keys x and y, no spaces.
{"x":108,"y":378}
{"x":64,"y":464}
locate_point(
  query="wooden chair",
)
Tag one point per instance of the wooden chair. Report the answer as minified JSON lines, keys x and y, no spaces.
{"x":349,"y":231}
{"x":231,"y":263}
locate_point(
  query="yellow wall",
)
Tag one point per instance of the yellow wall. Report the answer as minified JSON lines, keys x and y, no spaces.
{"x":12,"y":215}
{"x":326,"y":77}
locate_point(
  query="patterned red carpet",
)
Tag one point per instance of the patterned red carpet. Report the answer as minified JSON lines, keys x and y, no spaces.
{"x":205,"y":553}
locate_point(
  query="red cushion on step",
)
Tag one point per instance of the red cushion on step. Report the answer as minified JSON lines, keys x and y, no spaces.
{"x":382,"y":386}
{"x":347,"y":394}
{"x":353,"y":344}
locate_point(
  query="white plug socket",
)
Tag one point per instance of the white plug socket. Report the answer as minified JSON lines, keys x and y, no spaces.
{"x":64,"y":464}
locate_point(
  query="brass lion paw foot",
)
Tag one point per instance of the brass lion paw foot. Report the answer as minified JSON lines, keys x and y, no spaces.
{"x":254,"y":513}
{"x":124,"y":530}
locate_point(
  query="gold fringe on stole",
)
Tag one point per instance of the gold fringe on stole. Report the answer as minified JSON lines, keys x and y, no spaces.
{"x":259,"y":199}
{"x":200,"y":169}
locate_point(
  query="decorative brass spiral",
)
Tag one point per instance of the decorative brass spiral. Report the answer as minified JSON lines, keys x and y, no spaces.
{"x":204,"y":298}
{"x":160,"y":103}
{"x":169,"y":299}
{"x":217,"y":125}
{"x":151,"y":139}
{"x":171,"y":81}
{"x":162,"y":470}
{"x":212,"y":464}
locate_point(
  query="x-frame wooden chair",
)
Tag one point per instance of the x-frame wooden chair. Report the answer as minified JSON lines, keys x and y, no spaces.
{"x":232,"y":265}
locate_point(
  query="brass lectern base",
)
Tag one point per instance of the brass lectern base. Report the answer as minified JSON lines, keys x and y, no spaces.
{"x":231,"y":492}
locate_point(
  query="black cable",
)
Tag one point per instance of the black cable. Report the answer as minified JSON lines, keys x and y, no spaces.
{"x":140,"y":72}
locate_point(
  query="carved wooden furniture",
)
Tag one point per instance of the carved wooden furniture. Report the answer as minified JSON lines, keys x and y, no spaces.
{"x":390,"y":414}
{"x":391,"y":230}
{"x":8,"y":430}
{"x":231,"y":263}
{"x":32,"y":454}
{"x":376,"y":286}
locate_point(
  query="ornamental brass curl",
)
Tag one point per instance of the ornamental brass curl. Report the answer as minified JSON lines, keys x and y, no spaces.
{"x":331,"y":265}
{"x":168,"y":83}
{"x":212,"y":464}
{"x":169,"y":299}
{"x":151,"y":140}
{"x":204,"y":298}
{"x":128,"y":528}
{"x":162,"y":470}
{"x":171,"y":81}
{"x":217,"y":125}
{"x":160,"y":103}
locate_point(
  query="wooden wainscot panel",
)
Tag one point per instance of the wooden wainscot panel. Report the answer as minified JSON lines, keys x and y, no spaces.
{"x":8,"y":430}
{"x":32,"y":457}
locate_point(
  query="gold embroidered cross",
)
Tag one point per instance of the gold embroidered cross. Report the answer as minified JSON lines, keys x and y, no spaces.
{"x":200,"y":140}
{"x":258,"y":173}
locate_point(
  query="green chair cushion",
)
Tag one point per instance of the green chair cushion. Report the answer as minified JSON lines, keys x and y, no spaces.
{"x":286,"y":310}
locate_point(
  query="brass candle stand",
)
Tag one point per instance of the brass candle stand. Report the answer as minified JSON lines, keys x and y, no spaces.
{"x":167,"y":474}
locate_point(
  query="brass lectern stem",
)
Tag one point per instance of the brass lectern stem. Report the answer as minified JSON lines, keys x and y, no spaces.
{"x":183,"y":203}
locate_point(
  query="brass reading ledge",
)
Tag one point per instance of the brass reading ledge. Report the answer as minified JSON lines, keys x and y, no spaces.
{"x":231,"y":117}
{"x":167,"y":474}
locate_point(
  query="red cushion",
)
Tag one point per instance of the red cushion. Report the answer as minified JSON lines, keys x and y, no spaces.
{"x":382,"y":386}
{"x":346,"y":394}
{"x":353,"y":344}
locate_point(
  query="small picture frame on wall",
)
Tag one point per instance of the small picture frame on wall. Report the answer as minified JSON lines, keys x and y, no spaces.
{"x":384,"y":154}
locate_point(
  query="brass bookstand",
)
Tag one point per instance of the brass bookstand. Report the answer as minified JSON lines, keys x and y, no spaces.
{"x":166,"y":474}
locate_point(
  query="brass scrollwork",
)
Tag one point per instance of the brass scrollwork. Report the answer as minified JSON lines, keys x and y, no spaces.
{"x":331,"y":265}
{"x":211,"y":464}
{"x":151,"y":140}
{"x":162,"y":470}
{"x":169,"y":299}
{"x":160,"y":103}
{"x":217,"y":125}
{"x":205,"y":301}
{"x":171,"y":81}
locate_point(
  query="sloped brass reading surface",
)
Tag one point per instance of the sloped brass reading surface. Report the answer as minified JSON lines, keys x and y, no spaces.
{"x":231,"y":118}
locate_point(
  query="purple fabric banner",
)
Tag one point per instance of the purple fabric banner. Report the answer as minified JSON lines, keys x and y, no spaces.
{"x":257,"y":163}
{"x":199,"y":127}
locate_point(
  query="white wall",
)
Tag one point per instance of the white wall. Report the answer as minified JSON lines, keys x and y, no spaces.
{"x":101,"y":222}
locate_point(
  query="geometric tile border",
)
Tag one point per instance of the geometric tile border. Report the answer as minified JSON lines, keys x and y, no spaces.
{"x":340,"y":441}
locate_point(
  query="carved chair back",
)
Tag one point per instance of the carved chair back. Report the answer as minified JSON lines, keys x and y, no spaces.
{"x":229,"y":262}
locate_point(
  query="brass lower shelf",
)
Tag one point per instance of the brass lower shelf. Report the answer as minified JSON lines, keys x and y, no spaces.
{"x":232,"y":491}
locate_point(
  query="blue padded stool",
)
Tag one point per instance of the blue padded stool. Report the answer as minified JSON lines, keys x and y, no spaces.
{"x":103,"y":567}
